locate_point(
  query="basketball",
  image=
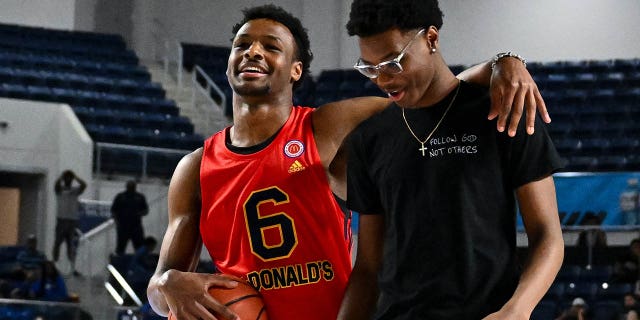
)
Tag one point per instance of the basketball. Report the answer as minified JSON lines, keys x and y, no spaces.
{"x":244,"y":300}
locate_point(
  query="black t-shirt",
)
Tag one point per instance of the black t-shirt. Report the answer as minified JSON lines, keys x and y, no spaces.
{"x":450,"y":239}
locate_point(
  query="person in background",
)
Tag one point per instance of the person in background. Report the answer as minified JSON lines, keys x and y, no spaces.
{"x":49,"y":285}
{"x":577,"y":311}
{"x":142,"y":262}
{"x":627,"y":266}
{"x":31,"y":257}
{"x":593,"y":236}
{"x":127,"y":210}
{"x":631,"y":307}
{"x":67,"y":194}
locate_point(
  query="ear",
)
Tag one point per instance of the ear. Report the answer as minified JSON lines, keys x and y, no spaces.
{"x":296,"y":71}
{"x":432,"y":38}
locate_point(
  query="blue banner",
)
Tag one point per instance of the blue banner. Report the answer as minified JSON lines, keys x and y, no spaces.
{"x":595,"y":193}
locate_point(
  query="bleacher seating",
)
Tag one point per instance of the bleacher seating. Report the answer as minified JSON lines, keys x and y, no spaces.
{"x":112,"y":95}
{"x":594,"y":104}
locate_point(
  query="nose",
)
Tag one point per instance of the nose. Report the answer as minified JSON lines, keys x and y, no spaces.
{"x":382,"y":79}
{"x":254,"y":51}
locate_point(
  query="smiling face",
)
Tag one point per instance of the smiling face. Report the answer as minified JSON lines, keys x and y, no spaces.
{"x":262,"y":59}
{"x":408,"y":87}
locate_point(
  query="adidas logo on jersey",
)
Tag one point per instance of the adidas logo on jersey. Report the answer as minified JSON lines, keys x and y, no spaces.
{"x":296,"y":166}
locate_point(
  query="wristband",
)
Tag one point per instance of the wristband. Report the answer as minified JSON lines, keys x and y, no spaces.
{"x":501,"y":55}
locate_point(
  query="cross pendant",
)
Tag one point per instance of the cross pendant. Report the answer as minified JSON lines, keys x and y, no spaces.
{"x":423,"y":148}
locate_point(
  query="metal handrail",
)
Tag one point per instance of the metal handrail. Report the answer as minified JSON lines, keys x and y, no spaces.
{"x":101,"y":228}
{"x":123,"y":283}
{"x":144,"y":150}
{"x":206,"y":91}
{"x":40,"y":303}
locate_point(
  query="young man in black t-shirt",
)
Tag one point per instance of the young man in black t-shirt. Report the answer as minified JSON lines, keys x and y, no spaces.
{"x":434,"y":183}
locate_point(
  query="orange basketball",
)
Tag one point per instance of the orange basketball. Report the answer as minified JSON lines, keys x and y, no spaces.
{"x":244,"y":300}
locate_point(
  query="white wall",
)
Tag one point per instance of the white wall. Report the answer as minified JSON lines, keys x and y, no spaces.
{"x":56,"y":14}
{"x":473,"y":31}
{"x":543,"y":30}
{"x":85,"y":15}
{"x":44,"y":138}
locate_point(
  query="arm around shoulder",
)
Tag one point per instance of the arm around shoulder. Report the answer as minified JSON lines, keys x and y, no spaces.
{"x":333,"y":121}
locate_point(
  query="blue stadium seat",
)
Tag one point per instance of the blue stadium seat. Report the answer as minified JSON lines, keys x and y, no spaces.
{"x":606,"y":310}
{"x":568,"y":274}
{"x":612,"y":163}
{"x":545,"y":310}
{"x":582,"y":163}
{"x":11,"y":90}
{"x":585,"y":290}
{"x":584,"y":80}
{"x":568,"y":146}
{"x":624,"y":145}
{"x":559,"y":129}
{"x":612,"y":80}
{"x":555,"y":292}
{"x":39,"y":93}
{"x":597,"y":274}
{"x":594,"y":146}
{"x":600,"y":66}
{"x":557,"y":81}
{"x":120,"y":161}
{"x":162,"y":164}
{"x":614,"y":291}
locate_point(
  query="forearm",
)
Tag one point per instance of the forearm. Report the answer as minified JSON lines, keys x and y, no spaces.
{"x":546,"y":252}
{"x":537,"y":201}
{"x":360,"y":297}
{"x":481,"y":73}
{"x":478,"y":74}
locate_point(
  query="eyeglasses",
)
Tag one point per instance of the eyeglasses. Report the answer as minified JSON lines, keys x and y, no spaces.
{"x":389,"y":66}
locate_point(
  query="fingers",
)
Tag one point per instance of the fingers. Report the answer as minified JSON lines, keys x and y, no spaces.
{"x":505,"y":110}
{"x":216,"y":280}
{"x":542,"y":107}
{"x":516,"y":111}
{"x":496,"y":104}
{"x":212,"y":305}
{"x":531,"y":111}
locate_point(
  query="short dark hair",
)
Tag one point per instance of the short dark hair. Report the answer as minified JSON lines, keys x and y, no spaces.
{"x":371,"y":17}
{"x":272,"y":12}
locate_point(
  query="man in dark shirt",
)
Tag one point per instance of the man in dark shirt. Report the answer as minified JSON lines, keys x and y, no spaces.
{"x":127,"y":211}
{"x":435,"y":184}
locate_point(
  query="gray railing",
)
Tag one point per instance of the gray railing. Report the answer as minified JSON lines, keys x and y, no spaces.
{"x":144,"y":152}
{"x":34,"y":309}
{"x":209,"y":90}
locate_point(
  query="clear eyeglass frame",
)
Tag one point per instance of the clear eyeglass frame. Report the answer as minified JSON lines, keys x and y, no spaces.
{"x":392,"y":66}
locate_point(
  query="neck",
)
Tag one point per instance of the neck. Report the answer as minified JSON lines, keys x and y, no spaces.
{"x":442,"y":83}
{"x":256,"y":121}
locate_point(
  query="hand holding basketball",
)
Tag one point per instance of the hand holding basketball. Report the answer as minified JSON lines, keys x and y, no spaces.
{"x":243,"y":300}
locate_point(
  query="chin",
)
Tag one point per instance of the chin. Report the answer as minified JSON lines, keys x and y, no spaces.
{"x":251,"y":91}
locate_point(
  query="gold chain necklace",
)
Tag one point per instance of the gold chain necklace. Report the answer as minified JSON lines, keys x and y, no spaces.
{"x":422,"y":142}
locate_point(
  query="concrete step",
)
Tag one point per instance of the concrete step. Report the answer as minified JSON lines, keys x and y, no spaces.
{"x":206,"y":118}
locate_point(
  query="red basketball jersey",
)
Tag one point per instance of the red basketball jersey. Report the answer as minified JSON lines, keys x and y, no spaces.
{"x":271,"y":218}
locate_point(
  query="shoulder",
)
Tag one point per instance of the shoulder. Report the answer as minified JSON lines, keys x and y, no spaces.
{"x":188,"y":168}
{"x":191,"y":161}
{"x":380,"y":122}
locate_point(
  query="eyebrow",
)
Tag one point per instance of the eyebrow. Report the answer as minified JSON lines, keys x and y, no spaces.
{"x":246,"y":35}
{"x":388,"y":57}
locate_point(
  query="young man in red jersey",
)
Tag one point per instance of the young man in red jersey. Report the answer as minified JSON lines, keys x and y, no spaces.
{"x":260,"y":194}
